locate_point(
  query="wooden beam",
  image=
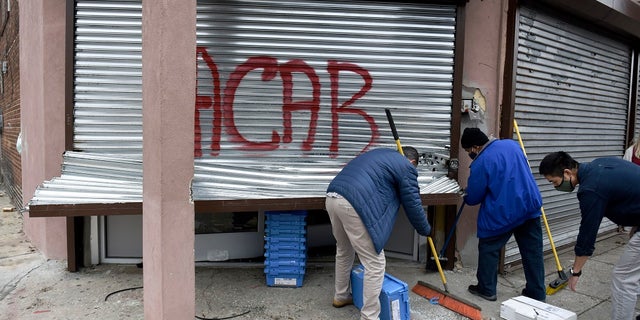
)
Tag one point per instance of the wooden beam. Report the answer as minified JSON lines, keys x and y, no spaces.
{"x":84,"y":209}
{"x":208,"y":206}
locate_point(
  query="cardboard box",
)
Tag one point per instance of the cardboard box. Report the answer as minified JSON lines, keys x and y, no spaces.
{"x":394,"y":297}
{"x":524,"y":308}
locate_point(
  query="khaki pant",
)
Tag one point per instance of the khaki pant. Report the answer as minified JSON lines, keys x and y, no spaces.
{"x":351,"y":238}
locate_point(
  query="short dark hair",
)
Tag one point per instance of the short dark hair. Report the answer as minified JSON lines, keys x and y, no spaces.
{"x":411,"y":153}
{"x":555,"y":163}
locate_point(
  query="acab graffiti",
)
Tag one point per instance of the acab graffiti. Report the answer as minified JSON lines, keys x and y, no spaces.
{"x":222,"y":103}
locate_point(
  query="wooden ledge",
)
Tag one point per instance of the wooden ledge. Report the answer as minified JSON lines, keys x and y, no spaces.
{"x":208,"y":206}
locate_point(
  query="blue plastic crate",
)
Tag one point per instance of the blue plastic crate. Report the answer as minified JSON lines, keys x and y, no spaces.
{"x":286,"y":225}
{"x":285,"y":280}
{"x":284,"y":270}
{"x":284,"y":241}
{"x":299,"y":215}
{"x":271,"y":223}
{"x":286,"y":232}
{"x":394,"y":297}
{"x":285,"y":262}
{"x":285,"y":254}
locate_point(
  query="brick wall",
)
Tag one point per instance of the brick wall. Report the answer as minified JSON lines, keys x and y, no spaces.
{"x":10,"y":163}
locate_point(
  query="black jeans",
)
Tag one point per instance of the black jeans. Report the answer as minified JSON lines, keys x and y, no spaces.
{"x":529,"y":238}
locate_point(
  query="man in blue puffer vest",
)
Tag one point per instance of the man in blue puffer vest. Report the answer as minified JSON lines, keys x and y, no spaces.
{"x":500,"y":180}
{"x":363,"y":201}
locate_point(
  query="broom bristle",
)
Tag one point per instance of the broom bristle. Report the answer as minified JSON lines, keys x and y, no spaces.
{"x":552,"y":289}
{"x":444,"y":299}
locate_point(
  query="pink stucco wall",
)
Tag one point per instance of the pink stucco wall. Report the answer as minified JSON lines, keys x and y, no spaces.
{"x":168,"y":97}
{"x":42,"y":98}
{"x":483,"y":69}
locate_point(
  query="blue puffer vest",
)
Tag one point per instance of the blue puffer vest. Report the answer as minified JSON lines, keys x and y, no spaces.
{"x":376,"y":183}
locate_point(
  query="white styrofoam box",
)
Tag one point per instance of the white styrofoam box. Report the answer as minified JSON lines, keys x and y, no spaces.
{"x":525,"y":308}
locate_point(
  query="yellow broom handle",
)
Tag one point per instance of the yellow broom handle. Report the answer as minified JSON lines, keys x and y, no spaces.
{"x":435,"y":257}
{"x":399,"y":147}
{"x":544,"y":216}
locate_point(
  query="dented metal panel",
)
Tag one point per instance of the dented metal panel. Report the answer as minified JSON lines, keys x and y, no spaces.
{"x":93,"y":178}
{"x":287,"y":93}
{"x":287,"y":72}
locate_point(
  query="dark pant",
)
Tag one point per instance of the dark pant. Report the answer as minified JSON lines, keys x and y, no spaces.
{"x":529,"y":238}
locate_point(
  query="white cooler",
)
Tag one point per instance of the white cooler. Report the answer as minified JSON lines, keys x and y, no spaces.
{"x":524,"y":308}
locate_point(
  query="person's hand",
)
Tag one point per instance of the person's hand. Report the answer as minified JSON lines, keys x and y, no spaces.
{"x":573,"y":281}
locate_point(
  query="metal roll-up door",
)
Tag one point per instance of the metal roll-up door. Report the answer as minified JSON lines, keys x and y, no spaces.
{"x":572,"y":94}
{"x":323,"y":57}
{"x":108,"y":77}
{"x":390,"y":55}
{"x":636,"y":135}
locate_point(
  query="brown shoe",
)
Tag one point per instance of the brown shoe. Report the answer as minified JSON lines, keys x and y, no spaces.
{"x":340,"y":304}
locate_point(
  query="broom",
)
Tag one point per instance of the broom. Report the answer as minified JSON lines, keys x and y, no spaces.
{"x":562,"y":281}
{"x":423,"y":289}
{"x":431,"y":265}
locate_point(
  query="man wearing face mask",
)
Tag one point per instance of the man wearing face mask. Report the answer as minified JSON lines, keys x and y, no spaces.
{"x":609,"y":187}
{"x":501,"y":181}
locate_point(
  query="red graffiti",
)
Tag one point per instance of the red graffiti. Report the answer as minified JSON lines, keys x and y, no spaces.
{"x":270,"y":66}
{"x":223,"y":108}
{"x":289,"y":106}
{"x":204,"y":102}
{"x":334,"y":69}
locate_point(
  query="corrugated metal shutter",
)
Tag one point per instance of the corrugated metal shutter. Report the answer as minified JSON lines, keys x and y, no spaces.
{"x":572,"y":92}
{"x":108,"y":77}
{"x":403,"y":51}
{"x":637,"y":122}
{"x":365,"y":55}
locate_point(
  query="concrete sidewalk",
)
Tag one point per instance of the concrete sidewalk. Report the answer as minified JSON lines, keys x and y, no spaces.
{"x":32,"y":287}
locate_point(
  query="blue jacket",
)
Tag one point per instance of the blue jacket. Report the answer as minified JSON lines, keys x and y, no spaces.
{"x":375,"y":183}
{"x":609,"y":187}
{"x":501,"y":181}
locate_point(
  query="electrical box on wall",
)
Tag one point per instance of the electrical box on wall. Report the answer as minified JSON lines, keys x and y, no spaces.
{"x":470,"y":105}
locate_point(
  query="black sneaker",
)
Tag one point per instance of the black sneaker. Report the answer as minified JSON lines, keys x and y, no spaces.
{"x":476,"y":291}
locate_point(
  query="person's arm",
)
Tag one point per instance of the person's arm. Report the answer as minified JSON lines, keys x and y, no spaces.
{"x":592,"y":208}
{"x":412,"y":204}
{"x":592,"y":211}
{"x":476,"y":186}
{"x":578,"y":263}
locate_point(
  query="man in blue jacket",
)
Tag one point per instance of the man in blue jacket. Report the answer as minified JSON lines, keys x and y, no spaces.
{"x":363,"y":202}
{"x":609,"y":187}
{"x":500,"y":180}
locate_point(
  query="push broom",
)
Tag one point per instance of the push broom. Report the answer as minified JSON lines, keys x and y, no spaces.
{"x":423,"y":289}
{"x":431,"y":265}
{"x":557,"y":284}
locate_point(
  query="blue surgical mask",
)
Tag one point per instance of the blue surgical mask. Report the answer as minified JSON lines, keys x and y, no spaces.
{"x":565,"y":185}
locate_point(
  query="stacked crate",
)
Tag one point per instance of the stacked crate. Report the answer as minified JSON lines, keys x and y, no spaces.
{"x":285,"y":248}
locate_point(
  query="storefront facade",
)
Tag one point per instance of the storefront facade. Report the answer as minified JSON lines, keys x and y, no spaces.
{"x":275,"y":96}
